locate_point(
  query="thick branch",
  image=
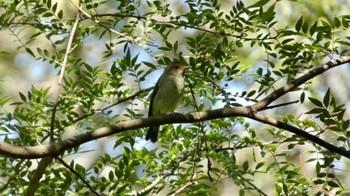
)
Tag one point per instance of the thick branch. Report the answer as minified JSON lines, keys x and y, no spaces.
{"x":56,"y":148}
{"x":261,"y":105}
{"x":39,"y":172}
{"x":302,"y":133}
{"x":53,"y":149}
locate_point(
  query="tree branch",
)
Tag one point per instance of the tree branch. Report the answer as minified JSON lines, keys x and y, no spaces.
{"x":261,"y":105}
{"x":39,"y":172}
{"x":44,"y":163}
{"x":113,"y":104}
{"x":129,"y":38}
{"x":78,"y":175}
{"x":302,"y":133}
{"x":60,"y":81}
{"x":53,"y":149}
{"x":182,"y":24}
{"x":159,"y":179}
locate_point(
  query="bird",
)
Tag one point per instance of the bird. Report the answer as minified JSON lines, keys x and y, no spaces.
{"x":166,"y":94}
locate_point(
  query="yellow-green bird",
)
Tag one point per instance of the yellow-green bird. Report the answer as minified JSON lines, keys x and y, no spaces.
{"x":166,"y":95}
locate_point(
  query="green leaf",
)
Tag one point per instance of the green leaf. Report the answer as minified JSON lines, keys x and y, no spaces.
{"x":337,"y":22}
{"x":54,"y":7}
{"x":278,"y":188}
{"x":30,"y":52}
{"x":23,"y":97}
{"x":332,"y":184}
{"x":318,"y":167}
{"x":259,"y":165}
{"x":4,"y":100}
{"x":251,"y":93}
{"x":60,"y":14}
{"x":316,"y":102}
{"x":313,"y":28}
{"x":176,"y":45}
{"x":345,"y":22}
{"x":245,"y":166}
{"x":302,"y":97}
{"x":4,"y":52}
{"x":305,"y":27}
{"x":326,"y":99}
{"x":318,"y":181}
{"x":346,"y":124}
{"x":299,"y":24}
{"x":259,"y":3}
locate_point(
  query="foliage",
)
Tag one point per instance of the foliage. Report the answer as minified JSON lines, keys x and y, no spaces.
{"x":238,"y":53}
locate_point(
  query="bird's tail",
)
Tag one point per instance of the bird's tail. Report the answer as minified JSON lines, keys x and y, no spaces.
{"x":152,"y":133}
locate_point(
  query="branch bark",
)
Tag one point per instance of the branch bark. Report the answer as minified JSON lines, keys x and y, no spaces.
{"x":299,"y":81}
{"x":53,"y":149}
{"x":45,"y":162}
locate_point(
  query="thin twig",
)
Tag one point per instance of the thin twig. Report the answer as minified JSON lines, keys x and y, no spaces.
{"x":256,"y":188}
{"x":77,"y":174}
{"x":201,"y":130}
{"x":33,"y":152}
{"x":184,"y":187}
{"x":106,"y":107}
{"x":222,"y":90}
{"x":164,"y":176}
{"x":185,"y":25}
{"x":113,"y":104}
{"x":102,"y":25}
{"x":60,"y":81}
{"x":44,"y":163}
{"x":197,"y":150}
{"x":261,"y":105}
{"x":282,"y":104}
{"x":127,"y":98}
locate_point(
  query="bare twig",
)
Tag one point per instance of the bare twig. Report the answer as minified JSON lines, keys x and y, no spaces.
{"x":106,"y":107}
{"x":198,"y":147}
{"x":44,"y":163}
{"x":185,"y":25}
{"x":52,"y":149}
{"x":282,"y":104}
{"x":77,"y":174}
{"x":261,"y":105}
{"x":184,"y":187}
{"x":116,"y":103}
{"x":99,"y":23}
{"x":32,"y":152}
{"x":197,"y":150}
{"x":163,"y":177}
{"x":60,"y":81}
{"x":256,"y":188}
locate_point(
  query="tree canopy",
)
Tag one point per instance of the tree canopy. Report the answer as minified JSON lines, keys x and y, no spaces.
{"x":264,"y":110}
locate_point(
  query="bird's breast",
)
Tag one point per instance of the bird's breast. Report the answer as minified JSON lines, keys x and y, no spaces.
{"x":168,"y":95}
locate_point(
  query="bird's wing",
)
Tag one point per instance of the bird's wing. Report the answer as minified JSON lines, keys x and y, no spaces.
{"x":155,"y":90}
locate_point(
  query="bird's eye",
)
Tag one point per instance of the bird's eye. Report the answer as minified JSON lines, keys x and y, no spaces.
{"x":176,"y":67}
